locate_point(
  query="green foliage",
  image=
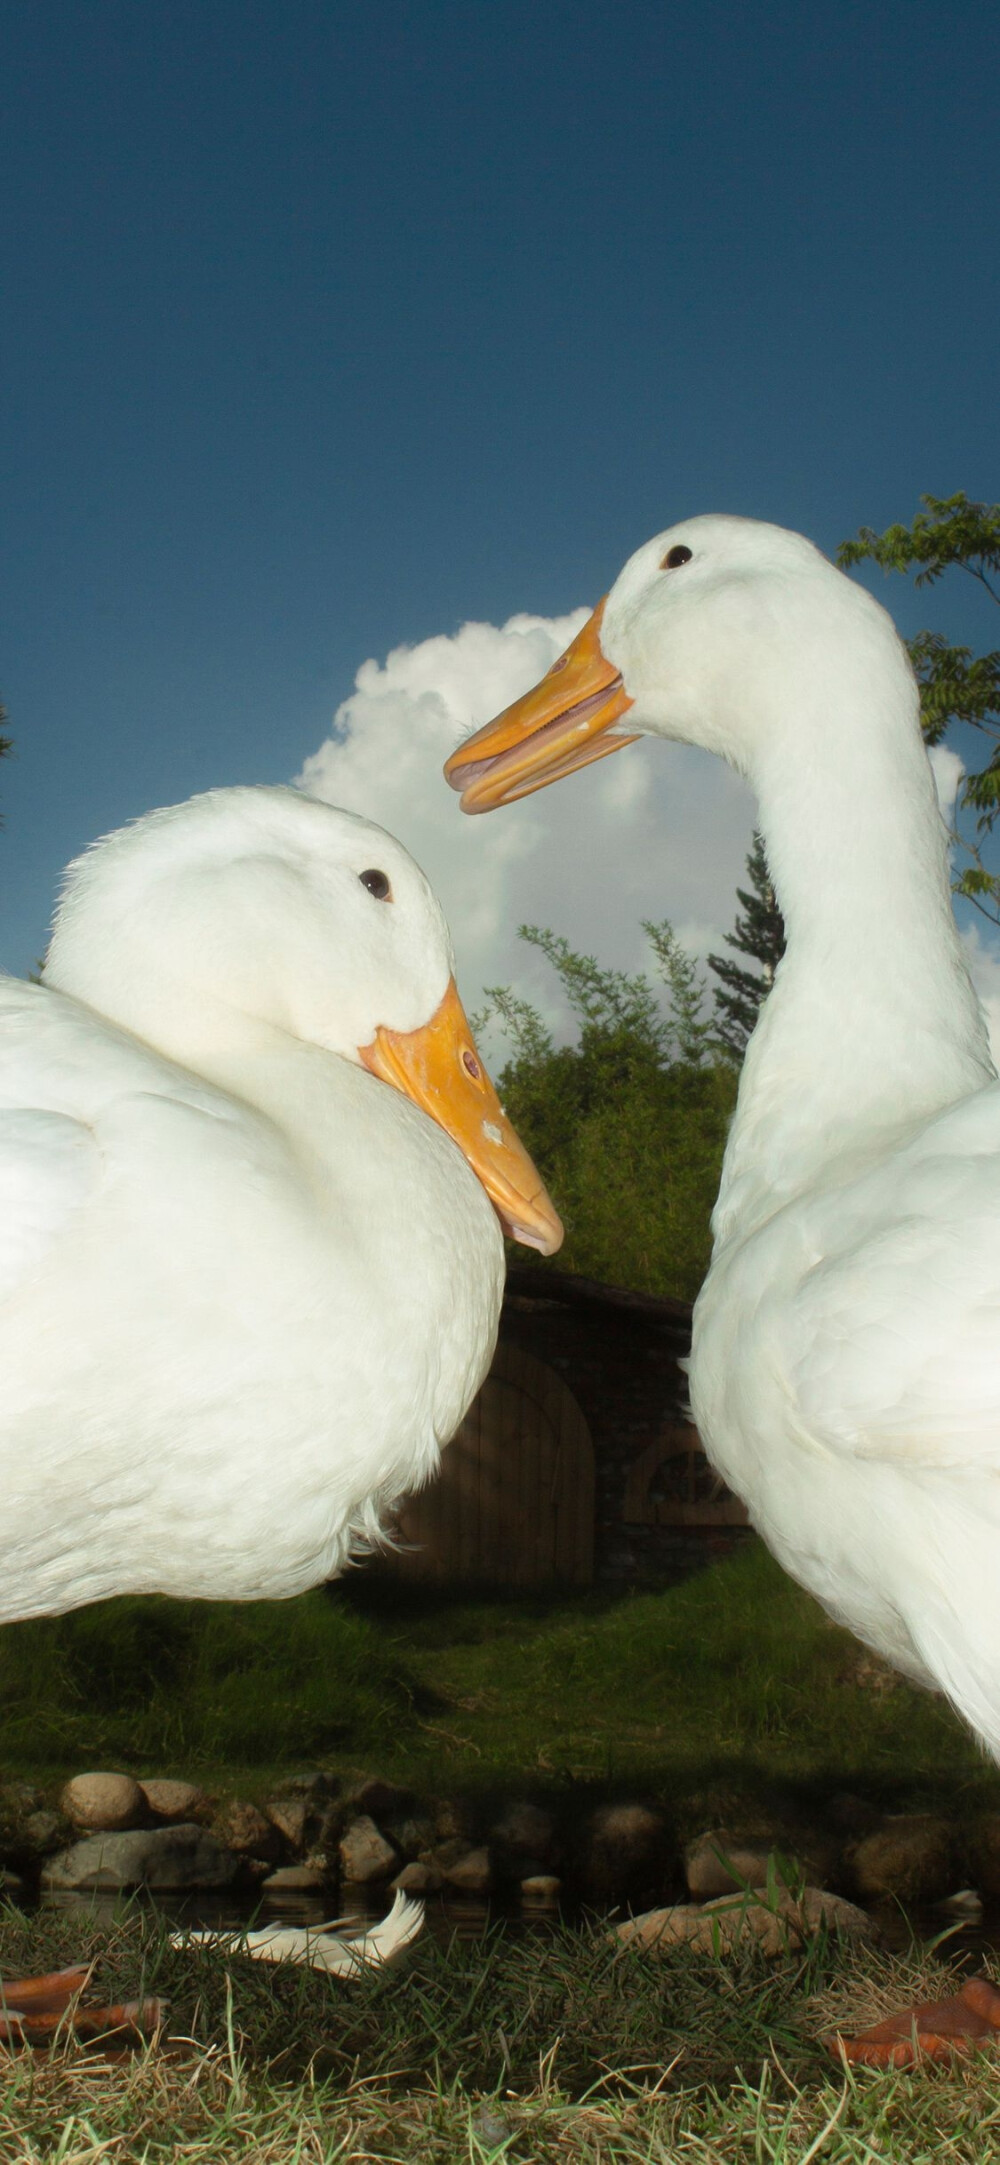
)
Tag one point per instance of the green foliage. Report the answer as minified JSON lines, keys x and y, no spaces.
{"x":760,"y":933}
{"x":956,"y":686}
{"x":627,"y":1125}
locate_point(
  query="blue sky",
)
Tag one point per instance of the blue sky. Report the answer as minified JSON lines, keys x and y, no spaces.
{"x":332,"y":326}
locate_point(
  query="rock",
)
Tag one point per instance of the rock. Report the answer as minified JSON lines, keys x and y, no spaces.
{"x":718,"y":1927}
{"x":524,"y":1841}
{"x":541,"y":1889}
{"x":241,"y":1827}
{"x":174,"y":1800}
{"x":17,"y":1798}
{"x":413,"y":1834}
{"x":293,"y":1817}
{"x":382,"y":1800}
{"x":445,"y":1854}
{"x":293,"y":1879}
{"x":44,"y":1831}
{"x":104,"y":1802}
{"x":908,"y":1858}
{"x":719,"y":1861}
{"x":417,"y":1878}
{"x":365,"y":1855}
{"x":470,"y":1873}
{"x":624,"y":1851}
{"x":451,"y":1820}
{"x":316,"y":1787}
{"x":171,"y":1859}
{"x":851,"y":1814}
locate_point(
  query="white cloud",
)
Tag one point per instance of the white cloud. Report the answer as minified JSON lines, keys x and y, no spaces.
{"x":655,"y":831}
{"x":947,"y":769}
{"x":659,"y":830}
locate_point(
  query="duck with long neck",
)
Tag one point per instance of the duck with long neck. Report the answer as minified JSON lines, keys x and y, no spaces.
{"x":842,"y":1375}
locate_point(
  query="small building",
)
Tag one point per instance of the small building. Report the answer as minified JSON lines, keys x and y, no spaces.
{"x":577,"y":1463}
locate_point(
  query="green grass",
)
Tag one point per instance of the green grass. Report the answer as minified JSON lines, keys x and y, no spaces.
{"x":562,"y":2048}
{"x":724,"y":1694}
{"x":153,"y":1685}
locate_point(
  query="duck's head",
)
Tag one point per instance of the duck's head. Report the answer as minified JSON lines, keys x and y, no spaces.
{"x":210,"y":926}
{"x":709,"y":630}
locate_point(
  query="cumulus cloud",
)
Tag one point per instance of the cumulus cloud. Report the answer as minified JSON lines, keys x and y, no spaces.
{"x":656,"y":831}
{"x":947,"y":769}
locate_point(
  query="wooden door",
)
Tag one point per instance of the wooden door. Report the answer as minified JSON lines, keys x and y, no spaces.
{"x":513,"y":1504}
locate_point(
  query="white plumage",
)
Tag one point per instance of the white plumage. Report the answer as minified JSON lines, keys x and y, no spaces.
{"x":845,"y":1372}
{"x":342,"y":1948}
{"x":247,"y":1290}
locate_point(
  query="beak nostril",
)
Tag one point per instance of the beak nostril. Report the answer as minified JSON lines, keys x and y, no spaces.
{"x":472,"y":1065}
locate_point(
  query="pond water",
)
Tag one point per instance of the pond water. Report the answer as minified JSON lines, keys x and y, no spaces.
{"x":964,"y":1937}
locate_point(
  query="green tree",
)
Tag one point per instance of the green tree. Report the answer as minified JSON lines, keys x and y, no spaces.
{"x":956,"y":685}
{"x":759,"y":932}
{"x":627,"y":1124}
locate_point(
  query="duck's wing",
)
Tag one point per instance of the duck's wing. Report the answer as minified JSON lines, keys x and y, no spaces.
{"x":890,"y":1342}
{"x":72,"y":1089}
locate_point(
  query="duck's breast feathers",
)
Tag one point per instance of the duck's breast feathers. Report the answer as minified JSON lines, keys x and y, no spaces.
{"x":887,"y":1332}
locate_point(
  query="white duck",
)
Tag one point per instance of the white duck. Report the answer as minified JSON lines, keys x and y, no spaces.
{"x":845,"y":1373}
{"x":247,"y":1291}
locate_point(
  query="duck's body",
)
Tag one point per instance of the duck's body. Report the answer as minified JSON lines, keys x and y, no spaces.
{"x":247,"y":1291}
{"x":845,"y":1369}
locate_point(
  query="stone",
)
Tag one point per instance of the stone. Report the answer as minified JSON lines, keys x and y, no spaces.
{"x":44,"y":1831}
{"x":174,"y":1799}
{"x":624,"y":1851}
{"x":542,"y":1889}
{"x":721,"y":1860}
{"x":316,"y":1787}
{"x":718,"y":1927}
{"x":445,"y":1854}
{"x":908,"y":1858}
{"x":242,"y":1827}
{"x":293,"y":1817}
{"x":365,"y":1855}
{"x":417,"y":1878}
{"x":103,"y":1802}
{"x":293,"y":1879}
{"x":524,"y":1841}
{"x":413,"y":1834}
{"x":451,"y":1820}
{"x":471,"y":1873}
{"x":382,"y":1800}
{"x":171,"y":1859}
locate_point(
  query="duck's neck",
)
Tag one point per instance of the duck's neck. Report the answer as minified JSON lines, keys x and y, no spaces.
{"x":872,"y":1024}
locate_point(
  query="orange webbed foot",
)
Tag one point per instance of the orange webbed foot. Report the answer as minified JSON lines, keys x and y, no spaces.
{"x":934,"y":2030}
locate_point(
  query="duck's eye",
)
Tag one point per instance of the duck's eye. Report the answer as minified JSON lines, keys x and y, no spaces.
{"x":679,"y":554}
{"x":377,"y":884}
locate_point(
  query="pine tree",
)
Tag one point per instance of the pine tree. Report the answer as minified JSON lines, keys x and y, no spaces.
{"x":759,"y":932}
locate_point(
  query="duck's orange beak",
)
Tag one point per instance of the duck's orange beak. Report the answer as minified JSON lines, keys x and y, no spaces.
{"x":439,"y":1068}
{"x":561,"y":725}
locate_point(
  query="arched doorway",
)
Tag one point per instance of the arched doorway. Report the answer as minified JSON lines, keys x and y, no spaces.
{"x":513,"y":1504}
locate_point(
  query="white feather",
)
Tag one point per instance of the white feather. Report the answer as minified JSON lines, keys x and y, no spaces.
{"x":339,"y":1948}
